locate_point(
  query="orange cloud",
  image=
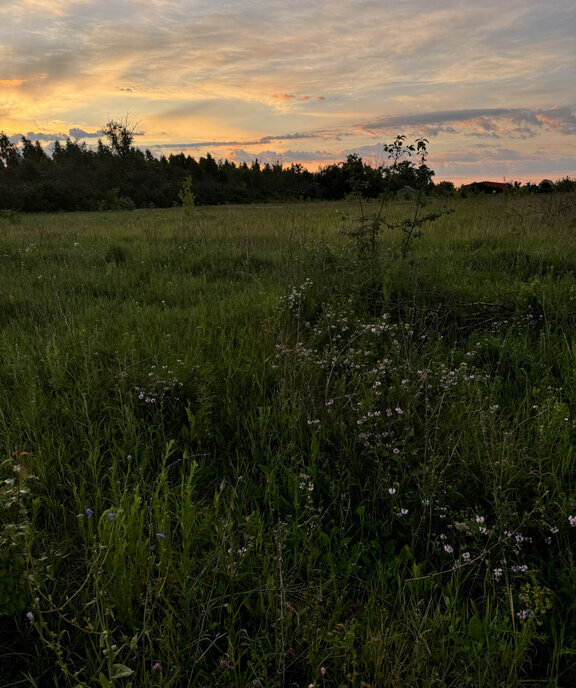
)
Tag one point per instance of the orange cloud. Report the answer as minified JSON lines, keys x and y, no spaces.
{"x":285,"y":97}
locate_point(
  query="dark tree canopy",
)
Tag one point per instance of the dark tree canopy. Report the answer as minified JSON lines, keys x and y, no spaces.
{"x":115,"y":174}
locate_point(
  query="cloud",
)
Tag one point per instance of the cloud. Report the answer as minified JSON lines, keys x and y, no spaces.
{"x":320,"y":134}
{"x":287,"y":97}
{"x":76,"y":133}
{"x":37,"y":136}
{"x":490,"y":123}
{"x":519,"y":123}
{"x":81,"y":134}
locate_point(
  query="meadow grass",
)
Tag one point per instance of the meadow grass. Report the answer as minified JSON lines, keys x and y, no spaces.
{"x":242,"y":448}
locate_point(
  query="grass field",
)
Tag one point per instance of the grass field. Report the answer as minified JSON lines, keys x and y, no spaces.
{"x":242,"y":448}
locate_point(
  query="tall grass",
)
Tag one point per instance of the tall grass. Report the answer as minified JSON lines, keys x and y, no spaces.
{"x":242,"y":451}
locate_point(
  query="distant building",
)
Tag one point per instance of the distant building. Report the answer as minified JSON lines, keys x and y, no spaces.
{"x":488,"y":187}
{"x":406,"y":191}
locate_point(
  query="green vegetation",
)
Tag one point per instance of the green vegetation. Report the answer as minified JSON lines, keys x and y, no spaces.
{"x":115,"y":175}
{"x":246,"y":447}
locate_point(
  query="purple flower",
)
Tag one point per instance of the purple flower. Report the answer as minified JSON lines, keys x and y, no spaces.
{"x":157,"y":668}
{"x":160,"y":536}
{"x":89,"y":513}
{"x":111,"y":516}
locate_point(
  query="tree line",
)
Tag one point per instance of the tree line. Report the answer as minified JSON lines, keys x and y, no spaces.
{"x":116,"y":175}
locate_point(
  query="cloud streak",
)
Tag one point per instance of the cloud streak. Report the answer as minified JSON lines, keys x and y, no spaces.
{"x":498,"y":123}
{"x":489,"y":122}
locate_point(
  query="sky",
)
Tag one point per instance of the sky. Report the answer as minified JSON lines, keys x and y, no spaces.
{"x":491,"y":85}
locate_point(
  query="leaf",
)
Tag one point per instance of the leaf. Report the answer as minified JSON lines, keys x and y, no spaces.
{"x":314,"y":447}
{"x":191,"y":421}
{"x":476,"y":629}
{"x":104,"y":682}
{"x":120,"y":671}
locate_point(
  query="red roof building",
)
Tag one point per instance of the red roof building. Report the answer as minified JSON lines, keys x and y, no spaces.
{"x":489,"y":187}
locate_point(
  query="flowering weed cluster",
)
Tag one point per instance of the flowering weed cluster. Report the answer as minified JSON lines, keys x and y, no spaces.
{"x":161,"y":384}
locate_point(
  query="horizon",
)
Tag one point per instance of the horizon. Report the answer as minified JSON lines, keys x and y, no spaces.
{"x":490,"y":87}
{"x":457,"y":181}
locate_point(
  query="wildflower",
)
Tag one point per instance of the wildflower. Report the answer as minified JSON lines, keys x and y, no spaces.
{"x":111,"y":516}
{"x":466,"y":556}
{"x":160,"y":536}
{"x":498,"y":574}
{"x":572,"y":520}
{"x":392,"y":490}
{"x":224,"y":664}
{"x":89,"y":513}
{"x":402,"y":512}
{"x":157,"y":668}
{"x":30,"y":616}
{"x":449,"y":549}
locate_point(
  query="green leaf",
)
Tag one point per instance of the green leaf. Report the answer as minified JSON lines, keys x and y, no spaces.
{"x":476,"y":629}
{"x":104,"y":682}
{"x":389,"y":547}
{"x":314,"y":447}
{"x":120,"y":671}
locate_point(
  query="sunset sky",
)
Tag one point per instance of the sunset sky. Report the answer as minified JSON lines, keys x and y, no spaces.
{"x":491,"y":84}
